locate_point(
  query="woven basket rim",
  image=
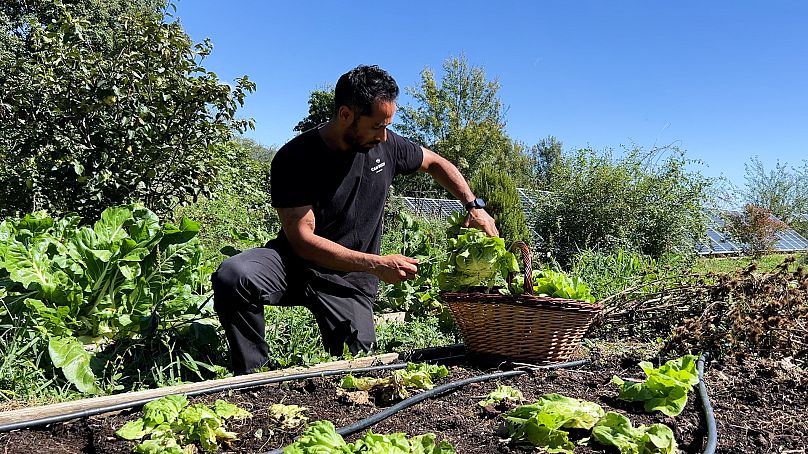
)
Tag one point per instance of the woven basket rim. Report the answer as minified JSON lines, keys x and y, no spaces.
{"x":537,"y":302}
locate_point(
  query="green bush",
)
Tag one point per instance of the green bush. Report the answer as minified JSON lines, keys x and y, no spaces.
{"x":503,"y":202}
{"x":609,"y":273}
{"x":598,"y":201}
{"x":85,"y":127}
{"x":237,"y":214}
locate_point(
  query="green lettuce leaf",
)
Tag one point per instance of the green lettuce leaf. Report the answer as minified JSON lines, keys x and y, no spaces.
{"x":616,"y":430}
{"x":541,"y":423}
{"x":164,"y":410}
{"x":502,"y":393}
{"x":665,"y":388}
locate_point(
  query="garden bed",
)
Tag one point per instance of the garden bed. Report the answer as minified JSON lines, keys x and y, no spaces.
{"x":759,"y":407}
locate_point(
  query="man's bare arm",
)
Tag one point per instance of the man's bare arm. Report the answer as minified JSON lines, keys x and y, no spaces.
{"x":447,"y":175}
{"x":298,"y":225}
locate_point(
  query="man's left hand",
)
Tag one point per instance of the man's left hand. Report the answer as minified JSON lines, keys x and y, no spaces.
{"x":479,"y":218}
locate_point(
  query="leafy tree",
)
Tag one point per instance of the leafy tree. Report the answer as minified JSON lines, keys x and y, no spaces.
{"x":321,"y":109}
{"x":461,"y":118}
{"x":503,"y":203}
{"x":546,"y":155}
{"x":782,"y":190}
{"x":83,"y":127}
{"x":755,"y":227}
{"x":600,"y":202}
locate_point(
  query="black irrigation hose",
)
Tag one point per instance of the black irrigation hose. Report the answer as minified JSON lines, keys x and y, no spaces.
{"x":248,"y":384}
{"x":435,"y":392}
{"x":709,"y":416}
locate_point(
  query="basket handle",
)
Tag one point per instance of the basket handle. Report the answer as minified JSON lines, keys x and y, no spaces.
{"x":527,"y":260}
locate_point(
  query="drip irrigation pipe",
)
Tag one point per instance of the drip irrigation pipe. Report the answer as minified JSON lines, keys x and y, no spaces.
{"x":712,"y":436}
{"x":709,"y":416}
{"x":248,"y":384}
{"x":435,"y":392}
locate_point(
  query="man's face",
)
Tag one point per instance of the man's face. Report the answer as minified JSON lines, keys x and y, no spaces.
{"x":367,"y":131}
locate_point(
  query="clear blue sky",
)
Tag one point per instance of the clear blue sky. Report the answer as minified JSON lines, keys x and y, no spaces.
{"x":724,"y":80}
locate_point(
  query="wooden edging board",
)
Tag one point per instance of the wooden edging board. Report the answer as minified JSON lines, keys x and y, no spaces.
{"x":46,"y":411}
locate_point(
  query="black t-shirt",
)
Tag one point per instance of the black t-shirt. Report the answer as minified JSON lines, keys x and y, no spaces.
{"x":347,"y":190}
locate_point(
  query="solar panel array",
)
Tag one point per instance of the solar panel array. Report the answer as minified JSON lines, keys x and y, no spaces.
{"x":436,"y":208}
{"x":716,"y":241}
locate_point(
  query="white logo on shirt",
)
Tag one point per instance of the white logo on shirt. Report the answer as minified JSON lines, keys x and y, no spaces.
{"x":378,"y":167}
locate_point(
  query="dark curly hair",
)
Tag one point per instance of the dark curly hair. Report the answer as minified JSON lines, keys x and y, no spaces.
{"x":362,"y":86}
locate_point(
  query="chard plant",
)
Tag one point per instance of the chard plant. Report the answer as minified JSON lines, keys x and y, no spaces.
{"x":80,"y":288}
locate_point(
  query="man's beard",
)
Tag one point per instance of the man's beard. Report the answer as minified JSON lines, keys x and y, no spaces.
{"x":352,"y":139}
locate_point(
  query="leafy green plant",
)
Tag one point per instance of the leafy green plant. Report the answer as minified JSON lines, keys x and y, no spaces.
{"x":417,"y":332}
{"x":132,"y":120}
{"x":645,"y":200}
{"x":398,"y":384}
{"x":81,"y":289}
{"x":541,"y":423}
{"x":172,"y":425}
{"x":500,"y":394}
{"x":616,"y":430}
{"x":322,"y":437}
{"x":474,"y":260}
{"x":415,"y":238}
{"x":665,"y":388}
{"x":556,"y":284}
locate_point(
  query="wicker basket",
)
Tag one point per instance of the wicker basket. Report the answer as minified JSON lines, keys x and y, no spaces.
{"x":524,"y":328}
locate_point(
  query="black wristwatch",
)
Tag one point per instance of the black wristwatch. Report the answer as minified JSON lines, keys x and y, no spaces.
{"x":476,"y":203}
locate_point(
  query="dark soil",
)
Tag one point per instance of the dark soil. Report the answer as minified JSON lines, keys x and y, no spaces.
{"x":760,"y":407}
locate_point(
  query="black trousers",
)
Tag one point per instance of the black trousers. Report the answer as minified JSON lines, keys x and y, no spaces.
{"x":274,"y":275}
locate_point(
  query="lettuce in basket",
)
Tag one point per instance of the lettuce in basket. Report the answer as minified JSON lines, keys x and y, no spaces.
{"x":475,"y":260}
{"x":556,"y":284}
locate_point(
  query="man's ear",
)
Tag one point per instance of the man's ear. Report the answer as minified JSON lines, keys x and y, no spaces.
{"x":345,"y":115}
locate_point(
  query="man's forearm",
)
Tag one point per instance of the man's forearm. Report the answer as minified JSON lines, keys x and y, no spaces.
{"x":334,"y":256}
{"x":448,"y":176}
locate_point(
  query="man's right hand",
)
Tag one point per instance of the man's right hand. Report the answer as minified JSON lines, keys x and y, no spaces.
{"x":395,"y":268}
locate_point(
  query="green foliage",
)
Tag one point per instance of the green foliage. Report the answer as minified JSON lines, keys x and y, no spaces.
{"x":293,"y":337}
{"x":783,"y":190}
{"x":321,"y":109}
{"x":84,"y":127}
{"x":475,"y":260}
{"x":616,"y":430}
{"x":417,"y":332}
{"x":502,"y":393}
{"x":541,"y":423}
{"x":609,"y":273}
{"x":418,"y":238}
{"x":642,"y":202}
{"x":546,"y":155}
{"x":398,"y":384}
{"x":172,"y":424}
{"x":237,"y":213}
{"x":665,"y":388}
{"x":502,"y":202}
{"x":461,"y":118}
{"x":556,"y":284}
{"x":322,"y":436}
{"x":79,"y":288}
{"x":755,"y":228}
